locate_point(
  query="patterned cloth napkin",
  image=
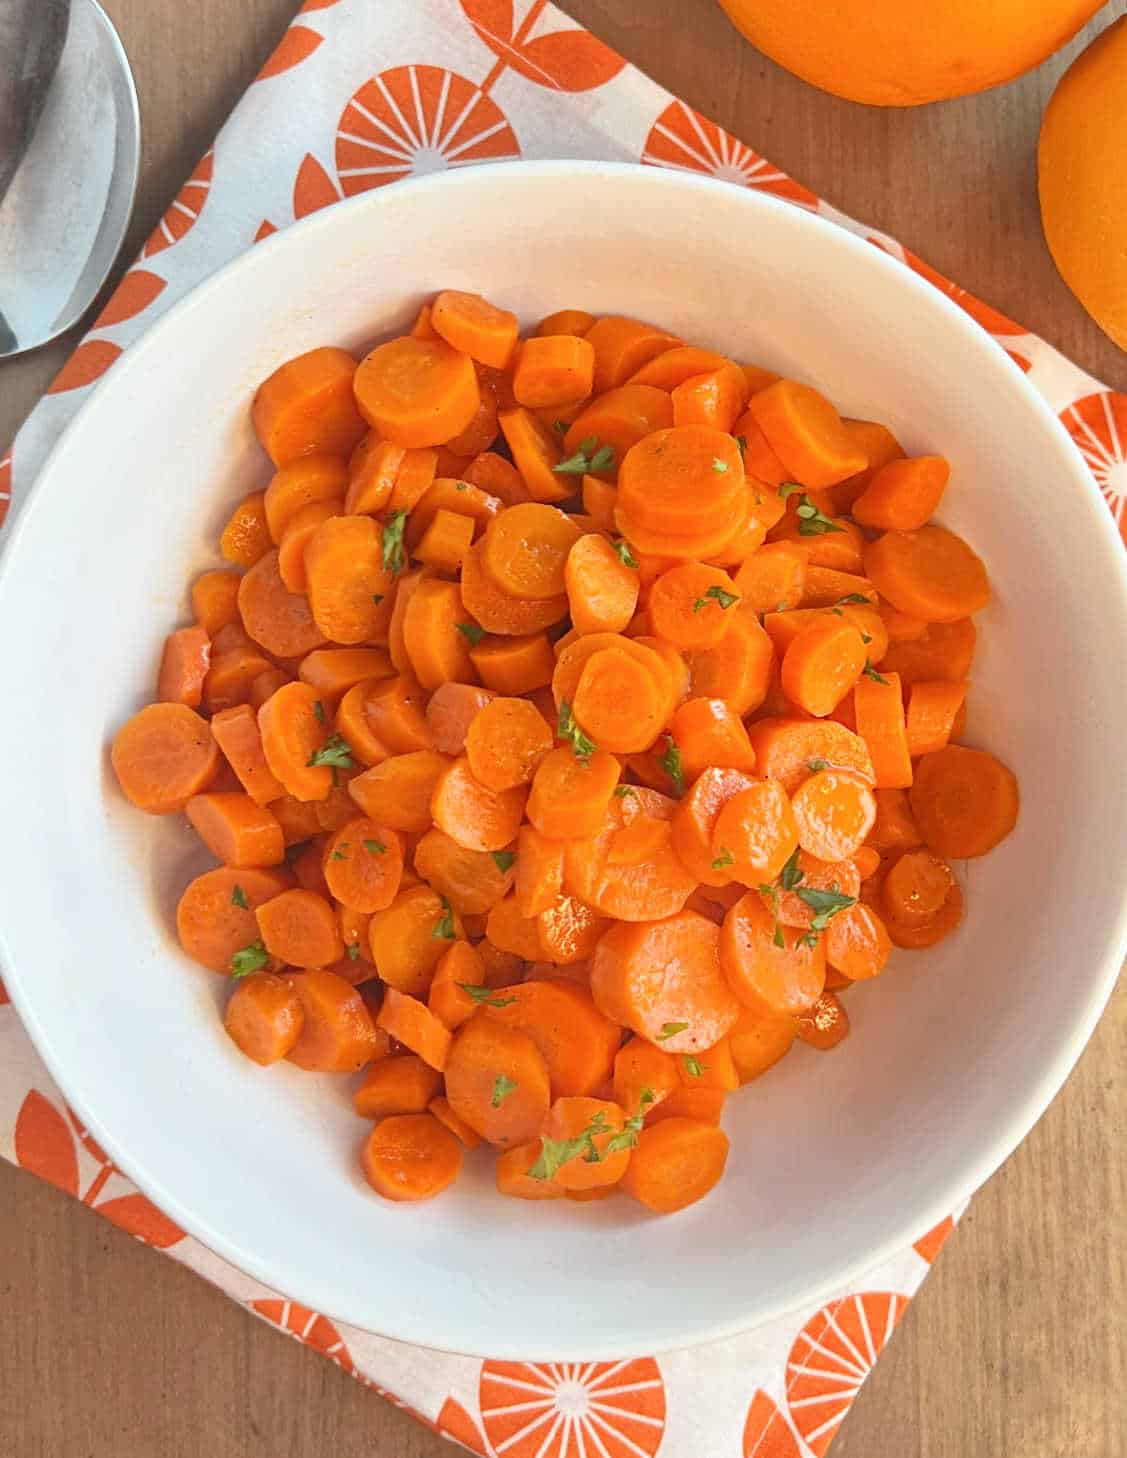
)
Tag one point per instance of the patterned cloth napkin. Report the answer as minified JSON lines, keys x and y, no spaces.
{"x":358,"y":96}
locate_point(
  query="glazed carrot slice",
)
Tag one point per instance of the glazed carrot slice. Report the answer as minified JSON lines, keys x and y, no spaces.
{"x":692,"y":605}
{"x":676,"y":547}
{"x":472,"y":881}
{"x":246,"y":537}
{"x":411,"y":1023}
{"x":964,"y":801}
{"x":568,"y":931}
{"x":346,"y":574}
{"x":476,"y":327}
{"x":363,"y":865}
{"x":662,"y":979}
{"x":915,"y":938}
{"x":236,"y":830}
{"x":686,"y":479}
{"x":514,"y":666}
{"x":450,"y":711}
{"x":900,"y":627}
{"x":785,"y":750}
{"x":536,"y":451}
{"x":506,"y":741}
{"x":602,"y":590}
{"x":622,"y":346}
{"x":827,"y":587}
{"x":838,"y":545}
{"x":496,"y":477}
{"x":553,"y":371}
{"x":811,"y":874}
{"x":569,"y":796}
{"x":709,"y":732}
{"x":703,"y":1104}
{"x":834,"y":811}
{"x":565,"y":321}
{"x":513,"y":1176}
{"x":507,"y":929}
{"x":737,"y":668}
{"x":481,"y":432}
{"x":694,"y":821}
{"x":264,"y":1017}
{"x":446,"y":541}
{"x":525,"y":550}
{"x":215,"y":916}
{"x":436,"y":646}
{"x":230,"y":677}
{"x":715,"y":398}
{"x":674,"y":366}
{"x":395,"y":709}
{"x":298,"y":533}
{"x":930,"y":573}
{"x":879,"y":445}
{"x":903,"y":494}
{"x":857,"y":943}
{"x":398,"y":791}
{"x":824,"y":1025}
{"x":351,"y":723}
{"x":879,"y":708}
{"x":755,"y":833}
{"x":415,"y":476}
{"x":539,"y":871}
{"x":331,"y":672}
{"x":944,"y":651}
{"x":676,"y":666}
{"x":757,"y":378}
{"x":577,"y":1043}
{"x":163,"y":756}
{"x":915,"y":887}
{"x":620,"y":701}
{"x":581,"y":1144}
{"x":299,"y":927}
{"x":409,"y":938}
{"x":822,"y":664}
{"x":497,"y":611}
{"x":184,"y":662}
{"x":772,"y":980}
{"x":475,"y":816}
{"x":807,"y":434}
{"x":757,"y":1043}
{"x":676,"y":1163}
{"x":497,"y":1082}
{"x":302,"y":483}
{"x":236,"y":732}
{"x":895,"y":827}
{"x":599,"y":501}
{"x":294,"y":737}
{"x":215,"y":599}
{"x":422,"y":328}
{"x":410,"y":1157}
{"x":770,"y":580}
{"x":417,"y":392}
{"x":611,"y":424}
{"x":402,"y":1084}
{"x":640,"y":1067}
{"x":279,"y":620}
{"x":574,"y":657}
{"x":450,"y":495}
{"x":932,"y":710}
{"x":458,"y":968}
{"x":446,"y":1116}
{"x":307,"y":406}
{"x":372,"y":471}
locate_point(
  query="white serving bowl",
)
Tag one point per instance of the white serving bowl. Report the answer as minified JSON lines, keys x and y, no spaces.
{"x":836,"y":1161}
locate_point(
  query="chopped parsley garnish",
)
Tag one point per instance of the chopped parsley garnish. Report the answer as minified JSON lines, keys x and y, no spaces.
{"x":249,"y":959}
{"x":335,"y":752}
{"x":625,"y":555}
{"x":670,"y":1030}
{"x":569,"y":731}
{"x":502,"y":1088}
{"x":670,"y":762}
{"x":627,"y":1137}
{"x":239,"y":898}
{"x":394,"y":553}
{"x":483,"y":996}
{"x":790,"y":875}
{"x":472,"y":632}
{"x":375,"y":847}
{"x":319,"y":712}
{"x":353,"y":950}
{"x":716,"y":594}
{"x":725,"y":858}
{"x":589,"y":459}
{"x":870,"y":672}
{"x":719,"y":466}
{"x":444,"y":926}
{"x":693,"y":1066}
{"x":556,"y":1152}
{"x":621,"y":791}
{"x":503,"y":860}
{"x":812,"y":522}
{"x":772,"y":895}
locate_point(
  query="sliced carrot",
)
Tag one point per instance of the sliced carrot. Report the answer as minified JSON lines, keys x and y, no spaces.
{"x":824,"y":1025}
{"x":398,"y":791}
{"x":409,"y":938}
{"x":338,"y":807}
{"x":331,"y":672}
{"x":294,"y":737}
{"x":663,"y":980}
{"x":372,"y":471}
{"x":411,"y":1023}
{"x":450,"y":711}
{"x":231,"y":676}
{"x":737,"y":668}
{"x":705,"y":1105}
{"x":577,"y":1043}
{"x":755,"y":834}
{"x":692,"y":605}
{"x":674,"y":366}
{"x":246,"y":538}
{"x":694,"y":821}
{"x":473,"y":815}
{"x":574,"y":657}
{"x":770,"y":580}
{"x":772,"y":980}
{"x":402,"y":1084}
{"x":416,"y":475}
{"x":510,"y":931}
{"x":569,"y":796}
{"x":785,"y":749}
{"x":807,"y":433}
{"x":568,"y":931}
{"x":236,"y":732}
{"x":620,"y":700}
{"x":582,"y":1140}
{"x":184,"y":662}
{"x":481,"y":432}
{"x":675,"y":546}
{"x":687,"y":479}
{"x":417,"y":392}
{"x":337,"y":1033}
{"x":347,"y":578}
{"x":879,"y":445}
{"x":300,"y":928}
{"x":279,"y":620}
{"x":410,"y":1157}
{"x":761,"y":463}
{"x":264,"y":1017}
{"x":302,"y":483}
{"x":514,"y":666}
{"x":915,"y":938}
{"x":472,"y":881}
{"x":476,"y":327}
{"x":525,"y":550}
{"x":715,"y":398}
{"x":395,"y":709}
{"x":307,"y":406}
{"x":903,"y":494}
{"x":602,"y":590}
{"x":915,"y":886}
{"x":441,"y":1110}
{"x":838,"y":546}
{"x":497,"y":1082}
{"x":813,"y":874}
{"x":536,"y":451}
{"x":433,"y":636}
{"x":497,"y":477}
{"x":857,"y":943}
{"x":932,"y":710}
{"x":930,"y":573}
{"x":709,"y":732}
{"x":611,"y":424}
{"x":553,"y":371}
{"x":565,"y":321}
{"x":757,"y":378}
{"x":215,"y":599}
{"x":944,"y":651}
{"x":640,"y":1069}
{"x":827,"y":587}
{"x":822,"y":664}
{"x":513,"y":1176}
{"x":964,"y":801}
{"x":497,"y":611}
{"x":539,"y":871}
{"x":446,"y":541}
{"x":757,"y":1043}
{"x":163,"y":756}
{"x":422,"y":328}
{"x":879,"y":707}
{"x":834,"y":811}
{"x":363,"y":863}
{"x":895,"y":827}
{"x":298,"y":818}
{"x":458,"y":968}
{"x":236,"y":830}
{"x":676,"y":1162}
{"x":215,"y":914}
{"x":505,"y":742}
{"x":622,"y":347}
{"x":298,"y":533}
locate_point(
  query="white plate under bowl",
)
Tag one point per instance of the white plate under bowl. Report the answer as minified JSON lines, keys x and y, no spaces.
{"x":836,"y":1161}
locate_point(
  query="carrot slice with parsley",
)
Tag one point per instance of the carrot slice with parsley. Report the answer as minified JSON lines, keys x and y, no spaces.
{"x":771,"y":968}
{"x":497,"y":611}
{"x":409,"y":938}
{"x":363,"y":865}
{"x":694,"y":821}
{"x":472,"y":881}
{"x":903,"y":494}
{"x":822,"y":664}
{"x":215,"y":918}
{"x":687,"y":479}
{"x":714,"y":398}
{"x":497,"y":1082}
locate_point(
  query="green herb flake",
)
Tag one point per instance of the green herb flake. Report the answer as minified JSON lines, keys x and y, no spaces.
{"x":502,"y":1088}
{"x":781,"y":607}
{"x":870,"y":672}
{"x":483,"y":995}
{"x":772,"y":895}
{"x":719,"y":466}
{"x":693,"y":1066}
{"x":557,"y":1152}
{"x":461,"y":486}
{"x":837,"y":612}
{"x":569,"y":731}
{"x":444,"y":927}
{"x":319,"y":712}
{"x":561,"y":427}
{"x":377,"y":598}
{"x":621,"y":792}
{"x":725,"y":858}
{"x":670,"y":1030}
{"x":625,"y":555}
{"x":790,"y":875}
{"x":812,"y":522}
{"x":854,"y":597}
{"x":741,"y":441}
{"x":472,"y":632}
{"x":824,"y":904}
{"x":353,"y":950}
{"x":341,"y":852}
{"x":394,"y":552}
{"x":335,"y":752}
{"x":239,"y":898}
{"x":627,"y":1138}
{"x":503,"y":860}
{"x":375,"y":847}
{"x":670,"y":762}
{"x":589,"y":459}
{"x":249,"y":959}
{"x":788,"y":488}
{"x":816,"y":765}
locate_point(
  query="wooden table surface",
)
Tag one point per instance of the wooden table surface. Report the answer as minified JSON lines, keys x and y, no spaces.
{"x":1017,"y":1343}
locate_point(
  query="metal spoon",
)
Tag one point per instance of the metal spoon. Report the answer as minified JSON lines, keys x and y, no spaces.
{"x":69,"y":147}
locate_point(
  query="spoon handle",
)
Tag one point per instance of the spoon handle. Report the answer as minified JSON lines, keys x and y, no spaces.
{"x":32,"y":35}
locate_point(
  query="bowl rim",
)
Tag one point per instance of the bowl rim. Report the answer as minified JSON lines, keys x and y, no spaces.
{"x":995,"y":362}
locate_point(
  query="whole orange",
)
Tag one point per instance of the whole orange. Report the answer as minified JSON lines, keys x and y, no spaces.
{"x":907,"y":52}
{"x":1082,"y":176}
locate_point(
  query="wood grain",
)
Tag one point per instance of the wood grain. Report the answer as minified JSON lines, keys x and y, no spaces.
{"x":1018,"y":1341}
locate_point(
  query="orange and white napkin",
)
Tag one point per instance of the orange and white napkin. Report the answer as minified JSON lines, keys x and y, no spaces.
{"x":358,"y":96}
